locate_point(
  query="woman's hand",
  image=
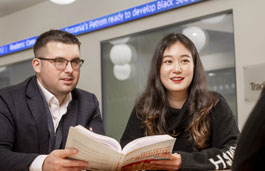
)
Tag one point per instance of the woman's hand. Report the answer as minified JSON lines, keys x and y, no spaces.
{"x":174,"y":162}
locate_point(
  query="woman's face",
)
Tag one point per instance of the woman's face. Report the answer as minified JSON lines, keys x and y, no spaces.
{"x":177,"y":68}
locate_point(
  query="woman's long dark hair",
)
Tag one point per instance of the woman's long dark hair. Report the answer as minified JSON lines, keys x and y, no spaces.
{"x":153,"y":104}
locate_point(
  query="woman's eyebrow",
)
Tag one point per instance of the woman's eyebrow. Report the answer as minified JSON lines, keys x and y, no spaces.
{"x":186,"y":55}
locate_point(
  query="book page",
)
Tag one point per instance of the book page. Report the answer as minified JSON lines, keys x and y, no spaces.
{"x":111,"y":142}
{"x":99,"y":156}
{"x":139,"y":158}
{"x":145,"y":141}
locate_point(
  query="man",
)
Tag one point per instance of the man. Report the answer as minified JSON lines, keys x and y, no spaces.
{"x":36,"y":114}
{"x":250,"y":151}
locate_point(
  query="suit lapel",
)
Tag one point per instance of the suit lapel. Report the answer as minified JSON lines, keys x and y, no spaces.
{"x":69,"y":119}
{"x":37,"y":107}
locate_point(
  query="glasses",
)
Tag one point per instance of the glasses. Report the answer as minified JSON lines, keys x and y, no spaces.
{"x":61,"y":63}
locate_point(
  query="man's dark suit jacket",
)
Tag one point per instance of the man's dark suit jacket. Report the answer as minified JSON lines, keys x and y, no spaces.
{"x":23,"y":122}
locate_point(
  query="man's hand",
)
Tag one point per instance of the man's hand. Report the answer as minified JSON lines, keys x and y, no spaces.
{"x":57,"y":160}
{"x":174,"y":162}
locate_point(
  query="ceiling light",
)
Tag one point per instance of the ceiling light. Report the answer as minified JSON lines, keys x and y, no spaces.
{"x":2,"y":68}
{"x":122,"y":72}
{"x":62,"y":2}
{"x":121,"y":54}
{"x":211,"y":74}
{"x":214,"y":20}
{"x":197,"y":36}
{"x":120,"y":41}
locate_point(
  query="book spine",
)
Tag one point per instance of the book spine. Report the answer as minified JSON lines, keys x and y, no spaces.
{"x":120,"y":162}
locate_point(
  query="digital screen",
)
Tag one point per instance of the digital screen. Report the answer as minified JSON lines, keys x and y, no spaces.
{"x":116,"y":18}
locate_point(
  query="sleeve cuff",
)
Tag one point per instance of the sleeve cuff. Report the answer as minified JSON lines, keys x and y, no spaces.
{"x":37,"y":163}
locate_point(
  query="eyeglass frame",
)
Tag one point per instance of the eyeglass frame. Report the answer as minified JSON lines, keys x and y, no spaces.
{"x":81,"y":61}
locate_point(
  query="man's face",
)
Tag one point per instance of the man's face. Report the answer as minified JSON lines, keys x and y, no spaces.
{"x":58,"y":81}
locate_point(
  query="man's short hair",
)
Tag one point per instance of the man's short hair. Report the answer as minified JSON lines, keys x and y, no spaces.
{"x":56,"y":36}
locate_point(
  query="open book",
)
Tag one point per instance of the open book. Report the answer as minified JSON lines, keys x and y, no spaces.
{"x":105,"y":153}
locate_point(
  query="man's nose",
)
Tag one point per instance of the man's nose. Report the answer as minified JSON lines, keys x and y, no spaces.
{"x":69,"y":67}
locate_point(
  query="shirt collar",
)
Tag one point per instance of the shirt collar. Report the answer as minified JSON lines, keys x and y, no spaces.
{"x":50,"y":98}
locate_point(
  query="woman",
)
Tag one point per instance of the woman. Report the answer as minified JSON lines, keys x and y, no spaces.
{"x":177,"y":102}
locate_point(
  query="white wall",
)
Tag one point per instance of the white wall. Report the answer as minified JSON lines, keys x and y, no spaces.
{"x":249,"y":33}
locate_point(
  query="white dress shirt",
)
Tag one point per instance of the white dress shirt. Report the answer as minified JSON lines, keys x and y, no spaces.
{"x":57,"y":112}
